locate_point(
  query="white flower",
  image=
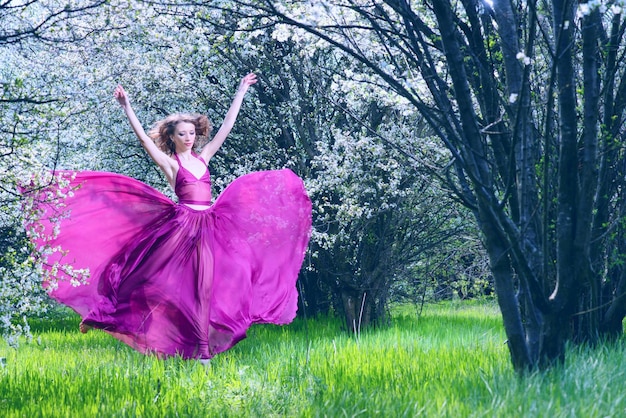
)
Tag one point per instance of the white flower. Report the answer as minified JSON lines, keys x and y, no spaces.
{"x":584,"y":9}
{"x":513,"y":97}
{"x":281,"y":33}
{"x":522,"y":57}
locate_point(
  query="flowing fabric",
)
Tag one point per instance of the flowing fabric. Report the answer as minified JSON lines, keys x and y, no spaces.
{"x":171,"y":280}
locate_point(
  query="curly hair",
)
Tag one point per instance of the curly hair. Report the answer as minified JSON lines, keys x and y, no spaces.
{"x":163,"y":130}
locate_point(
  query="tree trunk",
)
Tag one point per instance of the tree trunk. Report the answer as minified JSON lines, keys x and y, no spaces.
{"x":556,"y":332}
{"x":357,"y":310}
{"x":506,"y":295}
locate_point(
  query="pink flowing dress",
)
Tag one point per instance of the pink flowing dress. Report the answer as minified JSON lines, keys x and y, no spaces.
{"x":170,"y":280}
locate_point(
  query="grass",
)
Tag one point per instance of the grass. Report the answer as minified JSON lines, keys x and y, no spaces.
{"x":451,"y":362}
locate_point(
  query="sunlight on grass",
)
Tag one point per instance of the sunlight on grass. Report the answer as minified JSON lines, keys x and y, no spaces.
{"x":451,"y":361}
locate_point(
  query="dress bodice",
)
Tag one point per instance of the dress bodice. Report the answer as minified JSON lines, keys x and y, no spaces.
{"x":189,"y":188}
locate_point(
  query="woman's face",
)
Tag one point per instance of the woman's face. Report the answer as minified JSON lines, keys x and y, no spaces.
{"x":184,"y":136}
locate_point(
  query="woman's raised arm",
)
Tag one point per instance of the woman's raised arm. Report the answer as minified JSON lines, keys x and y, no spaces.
{"x":212,"y":147}
{"x":160,"y":158}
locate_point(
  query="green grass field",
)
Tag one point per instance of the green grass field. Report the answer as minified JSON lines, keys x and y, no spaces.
{"x":452,"y":362}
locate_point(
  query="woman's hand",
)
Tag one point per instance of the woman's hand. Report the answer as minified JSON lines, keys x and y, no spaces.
{"x":120,"y":96}
{"x":246,"y":82}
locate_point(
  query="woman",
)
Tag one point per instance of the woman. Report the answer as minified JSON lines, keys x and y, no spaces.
{"x":183,"y":279}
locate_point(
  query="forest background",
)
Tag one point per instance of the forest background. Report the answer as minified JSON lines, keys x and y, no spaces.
{"x":448,"y":146}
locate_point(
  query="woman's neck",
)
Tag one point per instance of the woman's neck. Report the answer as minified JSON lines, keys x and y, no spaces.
{"x":184,"y":155}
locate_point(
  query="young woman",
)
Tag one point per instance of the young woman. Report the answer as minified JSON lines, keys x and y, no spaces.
{"x":184,"y":278}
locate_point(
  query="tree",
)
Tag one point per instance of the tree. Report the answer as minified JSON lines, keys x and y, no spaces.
{"x":528,"y":97}
{"x":33,"y":105}
{"x":374,"y":219}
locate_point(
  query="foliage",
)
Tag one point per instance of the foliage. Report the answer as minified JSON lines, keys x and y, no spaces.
{"x":455,"y":271}
{"x":375,"y":221}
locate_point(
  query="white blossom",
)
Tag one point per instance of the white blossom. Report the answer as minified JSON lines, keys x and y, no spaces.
{"x":523,"y":58}
{"x":584,"y":9}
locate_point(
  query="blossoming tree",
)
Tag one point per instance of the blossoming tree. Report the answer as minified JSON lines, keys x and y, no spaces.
{"x":529,"y":99}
